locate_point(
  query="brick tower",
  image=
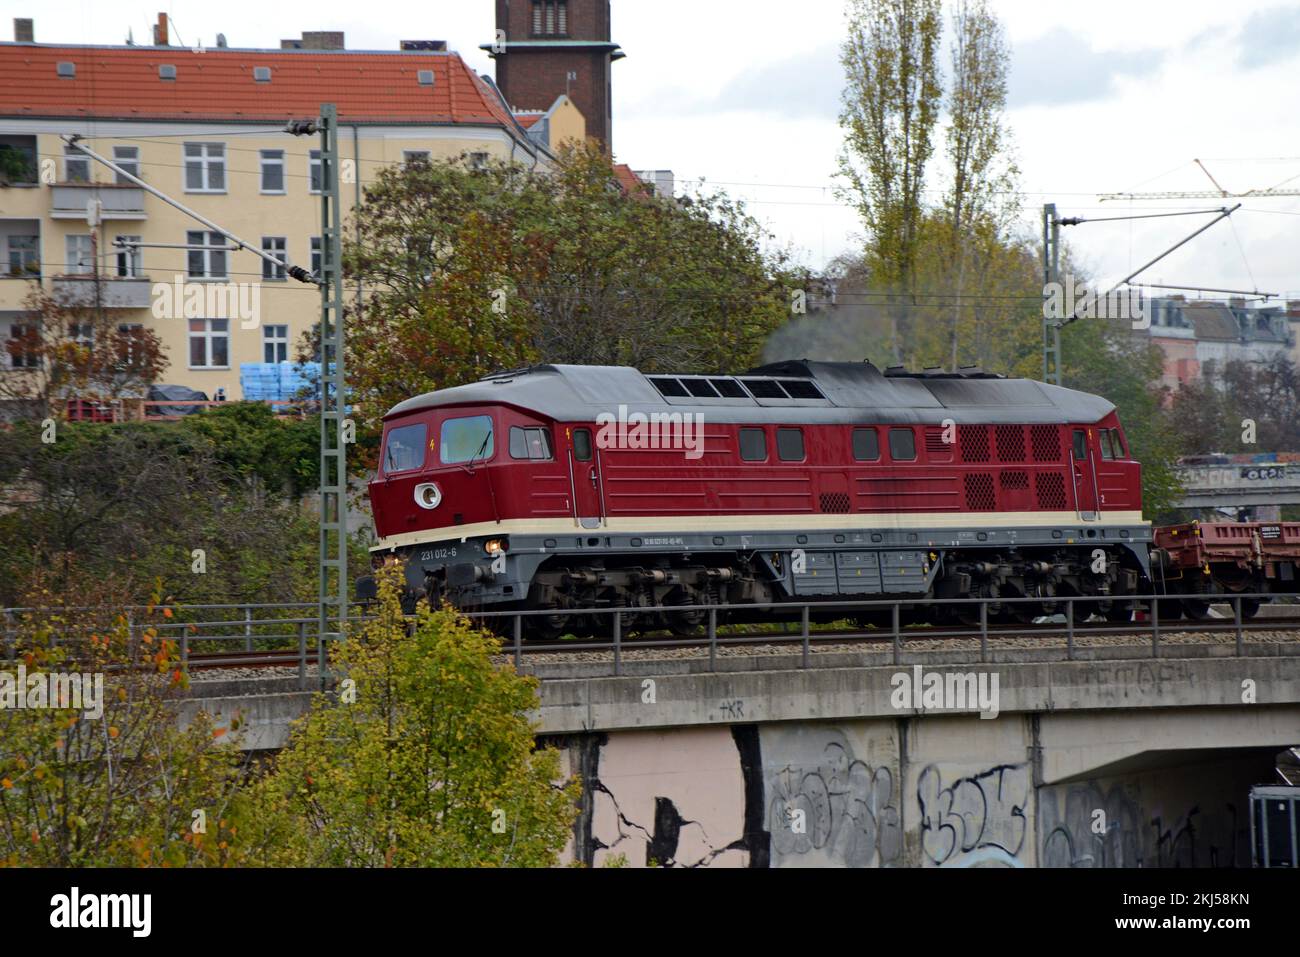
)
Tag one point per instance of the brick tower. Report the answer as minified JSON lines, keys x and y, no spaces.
{"x":548,"y":47}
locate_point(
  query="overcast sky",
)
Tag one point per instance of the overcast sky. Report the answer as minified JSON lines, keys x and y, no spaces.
{"x":1106,"y":96}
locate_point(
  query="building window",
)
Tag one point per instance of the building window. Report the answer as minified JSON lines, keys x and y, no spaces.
{"x":315,"y":255}
{"x":76,"y":165}
{"x":82,"y":333}
{"x":410,"y":157}
{"x":276,"y":246}
{"x":131,"y":334}
{"x":128,"y":257}
{"x":315,"y":171}
{"x":205,"y":167}
{"x":273,"y":171}
{"x":275,"y":343}
{"x":80,"y":254}
{"x":550,"y":18}
{"x":209,"y":261}
{"x":127,"y":157}
{"x":753,"y":445}
{"x":209,"y":343}
{"x":478,"y":160}
{"x":22,"y":347}
{"x":789,"y":445}
{"x":902,"y":445}
{"x":24,"y":256}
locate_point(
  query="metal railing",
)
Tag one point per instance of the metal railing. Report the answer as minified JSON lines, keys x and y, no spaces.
{"x":288,"y":634}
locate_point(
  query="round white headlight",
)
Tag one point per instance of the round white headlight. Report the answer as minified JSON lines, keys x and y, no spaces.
{"x":428,"y":495}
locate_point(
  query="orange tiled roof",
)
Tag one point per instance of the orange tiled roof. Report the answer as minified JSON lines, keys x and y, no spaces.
{"x":526,"y":120}
{"x":218,"y":84}
{"x":628,"y":181}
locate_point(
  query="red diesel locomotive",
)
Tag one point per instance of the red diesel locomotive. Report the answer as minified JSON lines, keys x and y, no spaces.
{"x":571,"y":487}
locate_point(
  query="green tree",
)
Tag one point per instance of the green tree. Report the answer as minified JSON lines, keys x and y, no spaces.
{"x":469,"y":271}
{"x":890,"y":109}
{"x":125,"y":787}
{"x":1107,"y":359}
{"x":426,"y":758}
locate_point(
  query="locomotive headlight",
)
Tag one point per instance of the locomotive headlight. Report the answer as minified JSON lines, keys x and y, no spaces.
{"x":428,"y":495}
{"x":495,"y":546}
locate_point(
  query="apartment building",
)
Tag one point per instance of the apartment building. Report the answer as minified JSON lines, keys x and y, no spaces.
{"x":206,"y":126}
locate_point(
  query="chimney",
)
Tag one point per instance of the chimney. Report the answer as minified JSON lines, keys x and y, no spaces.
{"x":1237,"y":302}
{"x":23,"y":30}
{"x":1293,"y":308}
{"x":160,"y":31}
{"x":322,"y":40}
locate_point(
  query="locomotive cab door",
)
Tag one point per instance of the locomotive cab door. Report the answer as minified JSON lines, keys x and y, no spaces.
{"x":1083,"y":473}
{"x":585,"y":479}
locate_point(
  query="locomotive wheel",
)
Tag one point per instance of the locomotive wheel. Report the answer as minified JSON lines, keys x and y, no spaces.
{"x":1249,"y":608}
{"x":1198,"y":609}
{"x":1120,"y":611}
{"x":545,"y":627}
{"x":1169,"y":609}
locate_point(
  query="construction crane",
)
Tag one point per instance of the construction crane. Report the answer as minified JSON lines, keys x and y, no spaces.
{"x":1217,"y":193}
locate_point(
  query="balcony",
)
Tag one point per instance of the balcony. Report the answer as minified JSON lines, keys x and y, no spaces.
{"x":116,"y":201}
{"x":115,"y":292}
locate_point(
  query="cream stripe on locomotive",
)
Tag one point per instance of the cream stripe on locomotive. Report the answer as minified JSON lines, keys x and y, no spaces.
{"x":931,"y":521}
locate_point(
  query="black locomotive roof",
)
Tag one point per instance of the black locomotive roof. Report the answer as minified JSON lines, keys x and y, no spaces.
{"x":798,"y":391}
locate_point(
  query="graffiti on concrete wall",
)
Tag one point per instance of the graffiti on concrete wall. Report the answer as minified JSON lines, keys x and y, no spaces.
{"x":973,"y":821}
{"x":1098,"y":824}
{"x":826,"y":807}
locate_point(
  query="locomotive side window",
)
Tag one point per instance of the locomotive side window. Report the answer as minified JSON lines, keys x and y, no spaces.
{"x":1118,"y":443}
{"x":789,"y":445}
{"x":1107,"y":449}
{"x":1080,"y":445}
{"x":529,"y":443}
{"x":753,"y":445}
{"x":866,"y":445}
{"x":467,"y":439}
{"x":902,"y":445}
{"x":582,"y":445}
{"x":404,"y":449}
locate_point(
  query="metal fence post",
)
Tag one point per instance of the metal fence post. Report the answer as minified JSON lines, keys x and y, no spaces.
{"x":984,"y":630}
{"x":713,"y":639}
{"x":519,"y":641}
{"x":803,"y":624}
{"x":618,"y":644}
{"x":1069,"y":629}
{"x":302,"y":655}
{"x":898,"y":639}
{"x":1236,"y":615}
{"x":1155,"y":628}
{"x":248,"y":627}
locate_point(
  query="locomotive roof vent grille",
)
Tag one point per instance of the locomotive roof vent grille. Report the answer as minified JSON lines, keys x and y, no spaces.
{"x":744,"y":390}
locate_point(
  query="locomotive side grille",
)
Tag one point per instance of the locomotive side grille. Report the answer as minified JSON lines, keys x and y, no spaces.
{"x":935,"y":441}
{"x":1013,"y":480}
{"x":1046,"y":443}
{"x":1050,"y":490}
{"x":979,"y":492}
{"x":834,"y":502}
{"x":974,"y":441}
{"x":1011,"y":443}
